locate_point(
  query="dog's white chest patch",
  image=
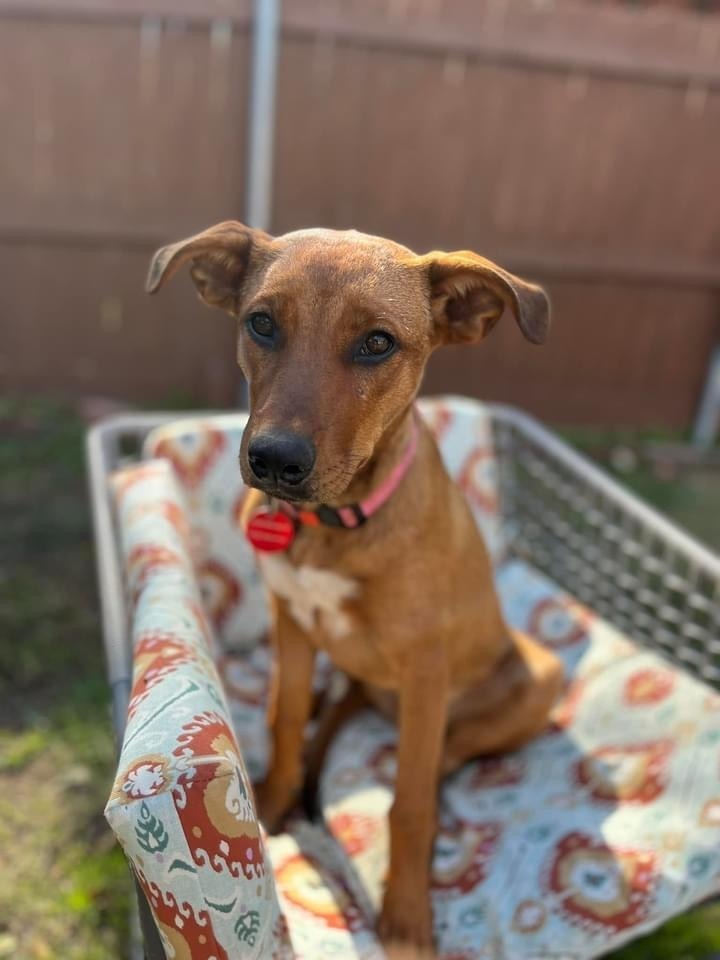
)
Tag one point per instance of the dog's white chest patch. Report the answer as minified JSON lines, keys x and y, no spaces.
{"x":310,"y":591}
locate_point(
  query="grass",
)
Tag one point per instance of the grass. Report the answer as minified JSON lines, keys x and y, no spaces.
{"x":64,"y":888}
{"x":691,"y":936}
{"x":690,"y":498}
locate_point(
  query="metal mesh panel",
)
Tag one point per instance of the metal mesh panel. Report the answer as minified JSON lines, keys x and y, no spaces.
{"x":606,"y":548}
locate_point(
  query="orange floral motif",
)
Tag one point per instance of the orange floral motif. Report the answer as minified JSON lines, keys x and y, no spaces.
{"x":158,"y":654}
{"x":648,"y":686}
{"x":477,"y":479}
{"x":130,"y":477}
{"x":710,"y":816}
{"x":529,"y":916}
{"x":439,"y":421}
{"x":463,"y":852}
{"x":505,"y":771}
{"x":673,"y":839}
{"x":354,"y":831}
{"x":192,"y":455}
{"x":634,"y":773}
{"x":309,"y":886}
{"x":169,"y":509}
{"x":600,"y":888}
{"x":558,"y":622}
{"x":146,"y":558}
{"x":213,"y":800}
{"x":221,"y":592}
{"x":243,"y":680}
{"x":186,"y":934}
{"x":564,"y":714}
{"x":145,"y":777}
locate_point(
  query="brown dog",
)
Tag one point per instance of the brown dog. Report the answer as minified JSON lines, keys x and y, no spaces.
{"x":335,"y":329}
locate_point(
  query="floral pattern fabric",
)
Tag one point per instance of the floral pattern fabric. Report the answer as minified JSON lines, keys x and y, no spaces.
{"x":181,"y":805}
{"x":598,"y":830}
{"x":323,"y":907}
{"x":594,"y":833}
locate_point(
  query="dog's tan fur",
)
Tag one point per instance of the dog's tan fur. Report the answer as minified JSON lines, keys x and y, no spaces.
{"x":409,"y":609}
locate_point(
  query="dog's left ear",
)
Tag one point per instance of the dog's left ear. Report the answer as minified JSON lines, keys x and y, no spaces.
{"x":468,"y":295}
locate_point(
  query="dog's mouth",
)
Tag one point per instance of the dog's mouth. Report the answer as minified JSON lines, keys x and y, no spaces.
{"x":300,"y":485}
{"x":281,"y":491}
{"x":293,"y":491}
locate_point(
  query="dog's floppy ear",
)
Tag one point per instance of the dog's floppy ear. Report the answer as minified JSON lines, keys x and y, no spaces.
{"x":468,"y":295}
{"x":219,"y":257}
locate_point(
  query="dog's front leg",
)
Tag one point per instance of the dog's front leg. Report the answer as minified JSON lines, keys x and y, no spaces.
{"x":406,"y":913}
{"x":288,"y":712}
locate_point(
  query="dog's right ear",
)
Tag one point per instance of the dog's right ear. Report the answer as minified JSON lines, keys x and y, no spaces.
{"x":220,"y":261}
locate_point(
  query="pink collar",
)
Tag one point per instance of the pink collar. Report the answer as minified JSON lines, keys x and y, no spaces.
{"x":356,"y":514}
{"x":271,"y":530}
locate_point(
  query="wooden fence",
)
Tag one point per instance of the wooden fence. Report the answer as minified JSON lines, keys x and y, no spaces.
{"x":577,"y":144}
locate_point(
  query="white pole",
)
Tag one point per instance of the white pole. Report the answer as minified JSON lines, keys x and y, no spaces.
{"x":261,"y":128}
{"x":707,"y":420}
{"x":261,"y":125}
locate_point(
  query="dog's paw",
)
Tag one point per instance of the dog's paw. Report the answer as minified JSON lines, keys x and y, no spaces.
{"x":405,"y":928}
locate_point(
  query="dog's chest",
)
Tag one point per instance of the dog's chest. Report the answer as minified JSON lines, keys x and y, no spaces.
{"x":314,"y":597}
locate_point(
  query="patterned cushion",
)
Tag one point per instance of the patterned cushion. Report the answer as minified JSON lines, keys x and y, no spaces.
{"x":320,"y":898}
{"x":181,"y":805}
{"x":204,"y":455}
{"x":596,"y":832}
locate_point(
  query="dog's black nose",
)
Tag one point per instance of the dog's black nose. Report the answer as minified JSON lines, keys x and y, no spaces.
{"x":285,"y":458}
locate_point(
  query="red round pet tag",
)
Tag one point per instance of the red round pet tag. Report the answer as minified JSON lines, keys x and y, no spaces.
{"x":270,"y":531}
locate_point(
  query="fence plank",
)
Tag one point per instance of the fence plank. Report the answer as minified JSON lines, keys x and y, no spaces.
{"x":661,"y":46}
{"x":113,"y":11}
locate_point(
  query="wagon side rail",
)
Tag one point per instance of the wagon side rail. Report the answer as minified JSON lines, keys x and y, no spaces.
{"x":109,"y":445}
{"x":604,"y":546}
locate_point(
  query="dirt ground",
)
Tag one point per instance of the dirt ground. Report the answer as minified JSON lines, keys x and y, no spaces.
{"x":64,"y":889}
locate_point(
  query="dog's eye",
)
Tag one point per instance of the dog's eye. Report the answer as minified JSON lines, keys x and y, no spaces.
{"x":262,"y":325}
{"x":376,"y":345}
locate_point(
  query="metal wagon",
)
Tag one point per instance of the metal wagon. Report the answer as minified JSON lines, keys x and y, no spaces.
{"x":558,"y":512}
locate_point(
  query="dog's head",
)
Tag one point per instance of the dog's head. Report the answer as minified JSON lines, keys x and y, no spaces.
{"x":335,"y":328}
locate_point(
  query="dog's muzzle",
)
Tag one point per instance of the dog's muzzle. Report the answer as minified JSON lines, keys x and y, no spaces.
{"x":281,"y":462}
